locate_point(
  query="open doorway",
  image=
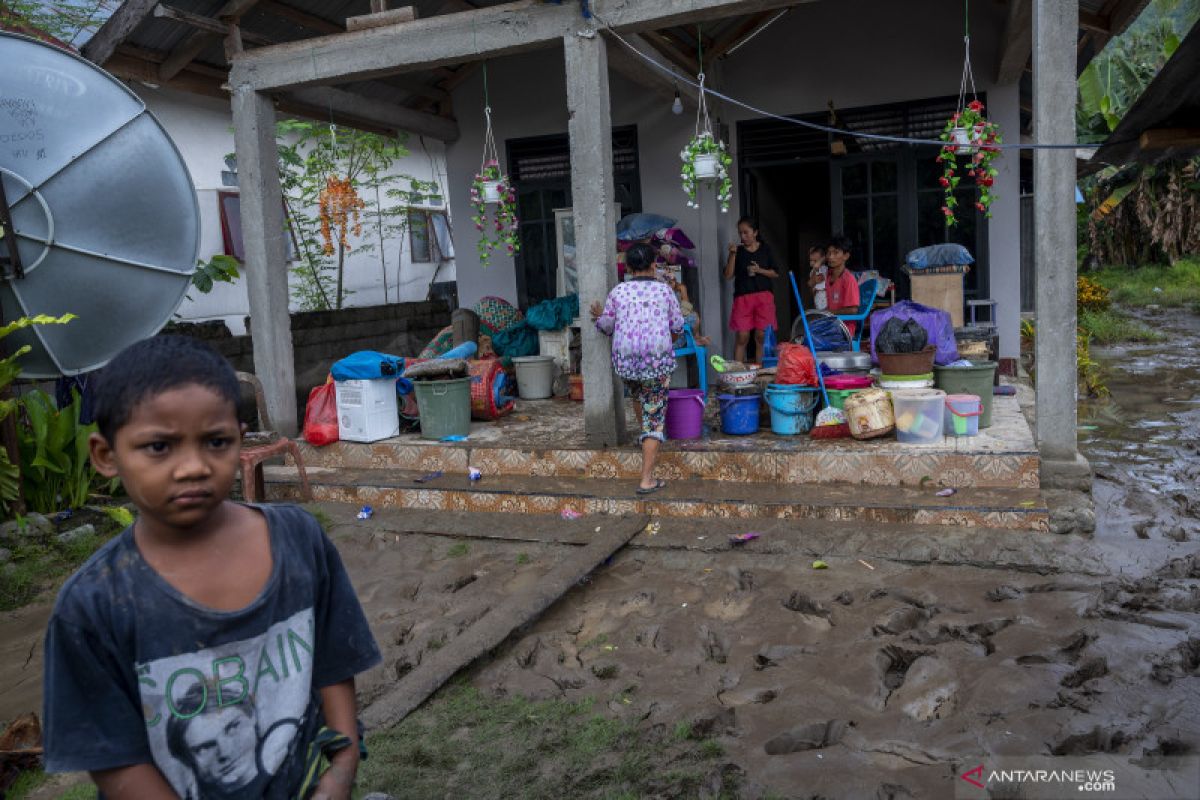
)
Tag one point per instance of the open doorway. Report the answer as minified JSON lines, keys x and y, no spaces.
{"x":791,"y":203}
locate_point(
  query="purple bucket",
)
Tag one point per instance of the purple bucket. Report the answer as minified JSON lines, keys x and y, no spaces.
{"x":685,"y":414}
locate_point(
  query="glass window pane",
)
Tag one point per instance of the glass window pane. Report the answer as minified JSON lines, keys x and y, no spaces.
{"x":928,"y":170}
{"x":418,"y":237}
{"x":540,"y":274}
{"x":857,"y":225}
{"x":885,"y":225}
{"x":931,"y":222}
{"x":854,"y":179}
{"x":559,"y":198}
{"x":883,"y":177}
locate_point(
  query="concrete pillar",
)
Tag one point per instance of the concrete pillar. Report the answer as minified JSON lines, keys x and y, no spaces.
{"x":264,"y":236}
{"x":1055,"y":30}
{"x":590,"y":128}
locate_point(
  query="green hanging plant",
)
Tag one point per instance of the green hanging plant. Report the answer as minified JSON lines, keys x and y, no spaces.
{"x":491,"y":187}
{"x":969,"y":133}
{"x":706,"y":159}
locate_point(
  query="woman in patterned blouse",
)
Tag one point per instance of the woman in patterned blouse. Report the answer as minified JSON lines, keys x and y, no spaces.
{"x":643,"y":318}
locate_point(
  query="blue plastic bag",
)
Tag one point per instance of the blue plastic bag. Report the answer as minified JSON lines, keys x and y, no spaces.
{"x":367,"y":365}
{"x":939,"y":255}
{"x":633,"y":227}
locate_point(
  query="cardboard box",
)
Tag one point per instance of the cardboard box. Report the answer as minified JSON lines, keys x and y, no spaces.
{"x":944,"y":291}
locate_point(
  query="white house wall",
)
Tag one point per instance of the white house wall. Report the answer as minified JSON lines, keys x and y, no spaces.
{"x":201,"y":128}
{"x":853,"y":52}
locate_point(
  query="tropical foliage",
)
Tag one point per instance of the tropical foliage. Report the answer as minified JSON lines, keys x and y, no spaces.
{"x":69,"y":21}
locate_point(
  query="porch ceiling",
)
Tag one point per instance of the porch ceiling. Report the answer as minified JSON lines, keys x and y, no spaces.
{"x":168,"y":44}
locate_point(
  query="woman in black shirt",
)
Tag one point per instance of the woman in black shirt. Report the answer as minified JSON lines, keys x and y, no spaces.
{"x":751,"y":266}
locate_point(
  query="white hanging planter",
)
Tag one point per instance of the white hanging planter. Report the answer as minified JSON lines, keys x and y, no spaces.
{"x":705,"y":165}
{"x":965,"y":140}
{"x":491,"y":191}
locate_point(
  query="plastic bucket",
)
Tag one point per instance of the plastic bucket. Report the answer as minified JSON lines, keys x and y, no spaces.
{"x":535,"y":376}
{"x":445,"y":407}
{"x":837,"y":397}
{"x":976,"y":379}
{"x":962,"y":414}
{"x":685,"y":414}
{"x":919,"y":415}
{"x":792,"y":408}
{"x":739,"y":413}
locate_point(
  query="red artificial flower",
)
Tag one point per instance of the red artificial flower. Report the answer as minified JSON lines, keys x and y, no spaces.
{"x":946,"y":210}
{"x":955,"y":117}
{"x":988,"y":180}
{"x":981,"y":206}
{"x":975,"y":106}
{"x":944,"y":182}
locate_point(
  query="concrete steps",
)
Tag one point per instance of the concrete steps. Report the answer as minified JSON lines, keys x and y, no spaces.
{"x":387,"y":487}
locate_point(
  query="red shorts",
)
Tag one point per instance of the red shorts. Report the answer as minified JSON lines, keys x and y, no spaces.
{"x":753,"y":312}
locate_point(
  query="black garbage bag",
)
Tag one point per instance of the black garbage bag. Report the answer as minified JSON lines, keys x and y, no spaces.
{"x":901,"y":336}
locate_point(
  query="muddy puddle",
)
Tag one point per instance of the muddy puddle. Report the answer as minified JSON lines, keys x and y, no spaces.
{"x":1144,"y":441}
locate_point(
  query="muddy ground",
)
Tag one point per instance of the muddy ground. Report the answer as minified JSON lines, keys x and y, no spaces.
{"x":840,"y":682}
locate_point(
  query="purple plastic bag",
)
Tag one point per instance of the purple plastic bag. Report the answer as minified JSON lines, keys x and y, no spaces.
{"x":936,"y":323}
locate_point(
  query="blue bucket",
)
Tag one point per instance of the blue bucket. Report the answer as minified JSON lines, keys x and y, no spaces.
{"x":792,"y":408}
{"x":739,"y":413}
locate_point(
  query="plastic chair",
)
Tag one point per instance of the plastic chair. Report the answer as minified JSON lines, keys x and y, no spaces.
{"x":868,"y":289}
{"x":257,"y":447}
{"x":690,"y":348}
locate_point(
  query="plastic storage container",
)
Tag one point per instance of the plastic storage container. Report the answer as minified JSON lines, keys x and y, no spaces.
{"x":962,"y":414}
{"x":839,"y":387}
{"x":535,"y":376}
{"x":919,"y":415}
{"x":685,"y":414}
{"x":445,"y":407}
{"x":977,"y":379}
{"x":367,"y":410}
{"x":792,"y":408}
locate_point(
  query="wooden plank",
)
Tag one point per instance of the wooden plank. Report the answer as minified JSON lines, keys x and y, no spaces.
{"x":1095,"y":22}
{"x":394,"y":17}
{"x":669,"y":51}
{"x":385,"y":114}
{"x":1164,"y":138}
{"x":736,"y":34}
{"x":116,"y":29}
{"x":490,"y":631}
{"x":210,"y":29}
{"x":301,"y":18}
{"x":637,"y":70}
{"x":1017,"y":43}
{"x":455,"y":38}
{"x":940,"y":291}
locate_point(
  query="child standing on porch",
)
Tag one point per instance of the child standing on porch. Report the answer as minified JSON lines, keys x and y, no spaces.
{"x":751,"y":267}
{"x":643,"y":318}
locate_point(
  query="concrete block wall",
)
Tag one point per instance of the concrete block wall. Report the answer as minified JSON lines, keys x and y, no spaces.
{"x":320,"y":338}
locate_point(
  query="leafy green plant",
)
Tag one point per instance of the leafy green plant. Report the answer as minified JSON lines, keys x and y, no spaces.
{"x":314,"y":157}
{"x":969,"y":133}
{"x":10,"y":369}
{"x":218,"y":269}
{"x":504,"y":223}
{"x":56,"y":468}
{"x":705,"y":144}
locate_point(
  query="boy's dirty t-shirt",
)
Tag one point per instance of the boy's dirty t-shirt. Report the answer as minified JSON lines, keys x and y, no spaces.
{"x":225,"y":704}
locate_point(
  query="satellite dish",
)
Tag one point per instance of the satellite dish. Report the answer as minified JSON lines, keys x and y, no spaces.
{"x":104,"y":220}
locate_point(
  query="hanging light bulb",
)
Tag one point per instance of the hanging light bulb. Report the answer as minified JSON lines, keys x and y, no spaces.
{"x":677,"y":106}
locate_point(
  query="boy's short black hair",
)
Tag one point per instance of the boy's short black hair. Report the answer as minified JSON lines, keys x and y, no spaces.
{"x":842,"y":243}
{"x":639,"y":258}
{"x":153,"y":366}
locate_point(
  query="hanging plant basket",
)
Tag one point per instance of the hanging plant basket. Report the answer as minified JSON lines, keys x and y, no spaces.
{"x":705,"y":159}
{"x":494,"y":202}
{"x":969,"y":135}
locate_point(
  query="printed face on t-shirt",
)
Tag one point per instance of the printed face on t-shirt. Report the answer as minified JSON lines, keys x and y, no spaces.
{"x":222,"y":745}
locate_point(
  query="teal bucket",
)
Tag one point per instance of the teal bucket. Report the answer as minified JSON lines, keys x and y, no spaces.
{"x":739,"y":413}
{"x":792,"y":408}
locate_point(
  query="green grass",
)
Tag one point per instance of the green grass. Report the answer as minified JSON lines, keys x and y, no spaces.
{"x":41,"y":562}
{"x":25,"y":783}
{"x":80,"y":791}
{"x":466,"y":744}
{"x":1178,"y":285}
{"x":1113,"y":327}
{"x":458,"y":550}
{"x":523,"y":558}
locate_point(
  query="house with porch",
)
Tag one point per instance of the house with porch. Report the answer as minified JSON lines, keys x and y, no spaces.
{"x":581,"y":99}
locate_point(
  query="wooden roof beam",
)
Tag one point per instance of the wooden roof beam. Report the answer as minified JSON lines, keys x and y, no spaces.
{"x":116,"y":29}
{"x":454,"y":38}
{"x":669,"y":51}
{"x":208,"y":31}
{"x":738,"y":33}
{"x":301,"y":18}
{"x":637,"y":70}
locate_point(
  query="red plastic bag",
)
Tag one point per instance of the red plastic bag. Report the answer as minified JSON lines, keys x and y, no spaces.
{"x":320,"y":415}
{"x":796,"y":366}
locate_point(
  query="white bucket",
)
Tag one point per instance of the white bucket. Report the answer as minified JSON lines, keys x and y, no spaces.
{"x":705,"y":165}
{"x":535,"y":376}
{"x":965,"y":139}
{"x":491,"y":191}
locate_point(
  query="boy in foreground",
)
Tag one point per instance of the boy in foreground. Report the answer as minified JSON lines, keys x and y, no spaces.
{"x":209,"y":650}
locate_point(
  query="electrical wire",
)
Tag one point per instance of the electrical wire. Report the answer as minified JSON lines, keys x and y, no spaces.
{"x":877,"y":137}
